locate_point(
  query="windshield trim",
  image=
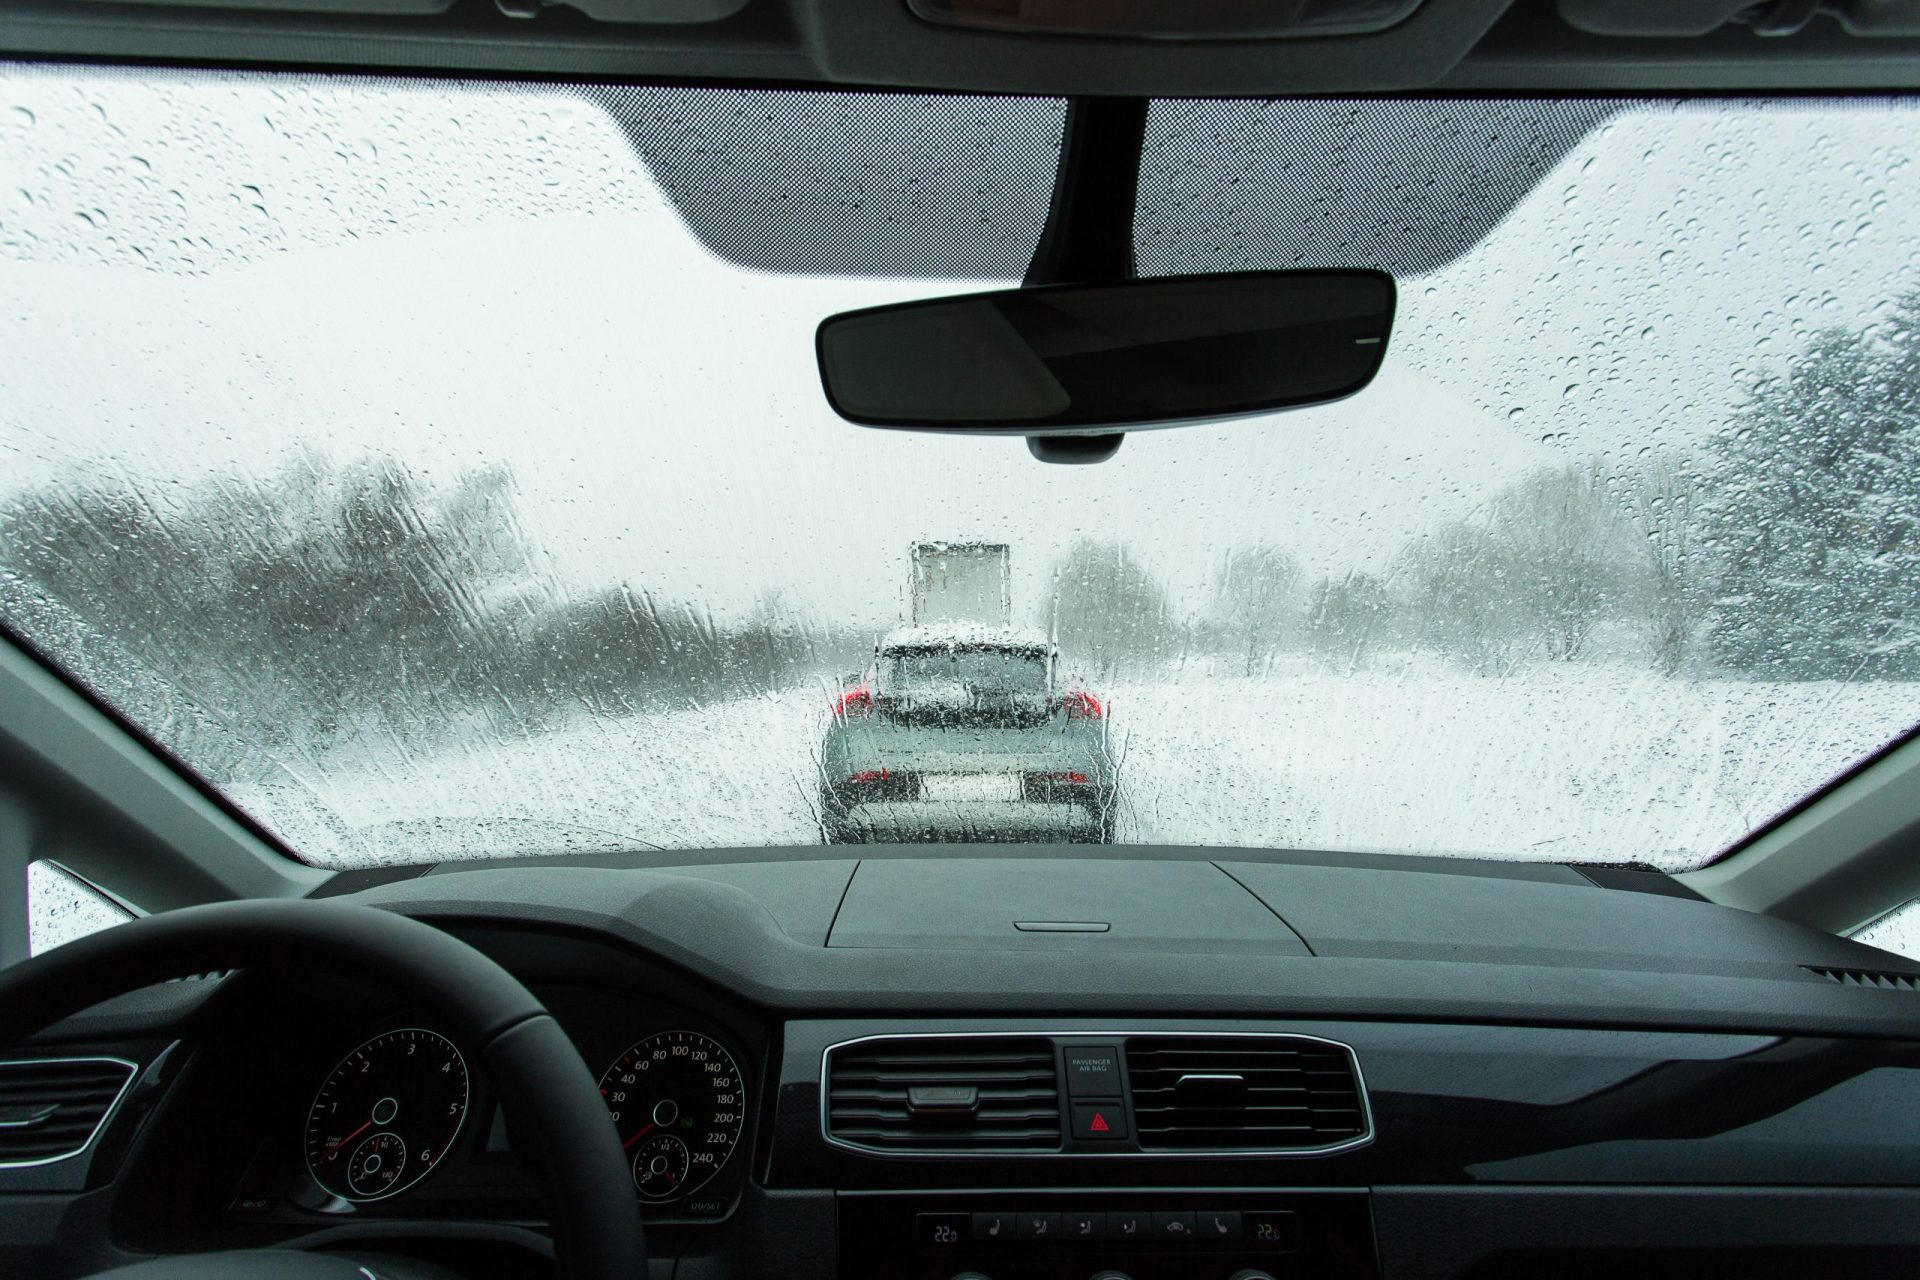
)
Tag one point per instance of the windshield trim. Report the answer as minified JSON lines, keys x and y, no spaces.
{"x":1846,"y":777}
{"x":173,"y":763}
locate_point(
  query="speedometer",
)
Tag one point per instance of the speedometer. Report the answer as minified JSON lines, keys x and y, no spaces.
{"x":679,"y":1105}
{"x":387,"y":1115}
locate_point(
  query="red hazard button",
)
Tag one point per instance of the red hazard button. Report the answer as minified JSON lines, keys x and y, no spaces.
{"x":1099,"y":1121}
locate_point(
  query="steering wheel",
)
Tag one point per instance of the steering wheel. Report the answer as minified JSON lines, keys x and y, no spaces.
{"x":560,"y":1123}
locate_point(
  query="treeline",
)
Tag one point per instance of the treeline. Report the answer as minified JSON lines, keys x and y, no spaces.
{"x":322,"y":601}
{"x":1787,"y":548}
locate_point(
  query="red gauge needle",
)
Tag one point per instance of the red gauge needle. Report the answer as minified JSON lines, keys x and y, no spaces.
{"x":350,"y":1137}
{"x":636,"y":1137}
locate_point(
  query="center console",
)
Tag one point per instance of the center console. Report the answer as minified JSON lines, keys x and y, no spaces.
{"x":1099,"y":1235}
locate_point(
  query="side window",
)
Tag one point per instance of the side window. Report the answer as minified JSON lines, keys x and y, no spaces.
{"x":1897,"y":931}
{"x":61,"y":907}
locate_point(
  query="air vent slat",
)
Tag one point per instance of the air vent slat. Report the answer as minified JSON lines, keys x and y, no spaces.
{"x":1017,"y":1094}
{"x":1280,"y":1094}
{"x":81,"y":1091}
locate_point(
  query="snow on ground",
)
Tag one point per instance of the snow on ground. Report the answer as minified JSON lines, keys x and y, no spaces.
{"x":1561,"y":763}
{"x":1575,"y":763}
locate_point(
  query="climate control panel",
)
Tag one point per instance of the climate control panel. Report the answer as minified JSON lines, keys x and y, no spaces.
{"x":1077,"y":1235}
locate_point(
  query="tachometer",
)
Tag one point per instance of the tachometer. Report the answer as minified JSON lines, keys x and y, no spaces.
{"x":679,"y":1104}
{"x":387,"y":1115}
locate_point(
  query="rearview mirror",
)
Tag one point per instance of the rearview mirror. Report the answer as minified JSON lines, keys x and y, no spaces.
{"x":1081,"y":359}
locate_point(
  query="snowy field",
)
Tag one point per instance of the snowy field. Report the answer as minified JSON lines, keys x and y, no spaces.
{"x":1558,"y":763}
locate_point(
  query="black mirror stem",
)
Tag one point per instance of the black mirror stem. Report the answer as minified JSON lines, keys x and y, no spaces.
{"x":1088,"y":237}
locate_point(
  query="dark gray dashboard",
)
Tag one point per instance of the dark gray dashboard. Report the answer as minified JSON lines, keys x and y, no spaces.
{"x":1563,"y":1069}
{"x":1308,"y":935}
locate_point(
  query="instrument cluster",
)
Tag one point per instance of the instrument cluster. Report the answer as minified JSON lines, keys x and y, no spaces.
{"x":401,"y":1103}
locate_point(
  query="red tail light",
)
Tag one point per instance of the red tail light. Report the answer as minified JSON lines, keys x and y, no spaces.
{"x":1059,"y":787}
{"x":870,"y":775}
{"x":1081,"y":705}
{"x":857,"y":701}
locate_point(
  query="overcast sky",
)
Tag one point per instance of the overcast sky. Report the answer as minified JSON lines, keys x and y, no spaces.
{"x":200,"y":276}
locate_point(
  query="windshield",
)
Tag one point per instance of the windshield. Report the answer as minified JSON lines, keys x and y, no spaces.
{"x":441,"y":470}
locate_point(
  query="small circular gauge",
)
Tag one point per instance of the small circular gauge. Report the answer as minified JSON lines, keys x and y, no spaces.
{"x":376,"y":1164}
{"x":387,"y":1115}
{"x":660,"y":1167}
{"x":679,"y":1085}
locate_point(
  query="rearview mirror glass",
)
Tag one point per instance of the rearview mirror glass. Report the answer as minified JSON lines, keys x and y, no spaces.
{"x":1069,"y":358}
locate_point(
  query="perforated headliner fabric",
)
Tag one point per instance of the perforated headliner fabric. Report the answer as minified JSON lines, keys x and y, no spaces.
{"x":1406,"y":186}
{"x":881,"y":184}
{"x":896,"y":184}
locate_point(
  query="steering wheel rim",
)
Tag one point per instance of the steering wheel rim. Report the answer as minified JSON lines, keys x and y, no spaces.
{"x":560,"y":1129}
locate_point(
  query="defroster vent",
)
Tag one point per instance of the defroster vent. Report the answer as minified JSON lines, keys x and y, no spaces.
{"x":51,"y":1108}
{"x":1885,"y":980}
{"x":1245,"y":1093}
{"x":957,"y":1094}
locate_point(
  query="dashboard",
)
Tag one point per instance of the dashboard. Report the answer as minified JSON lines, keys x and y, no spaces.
{"x":862,"y":1070}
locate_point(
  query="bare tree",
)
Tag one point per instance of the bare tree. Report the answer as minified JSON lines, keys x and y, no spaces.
{"x":1548,"y":561}
{"x":1106,"y":611}
{"x":1256,"y":605}
{"x":1660,"y":498}
{"x":1347,"y":617}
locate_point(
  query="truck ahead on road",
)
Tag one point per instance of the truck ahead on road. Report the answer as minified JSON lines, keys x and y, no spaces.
{"x":961,"y":582}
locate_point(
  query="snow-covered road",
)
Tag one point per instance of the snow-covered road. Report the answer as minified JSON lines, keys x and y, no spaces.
{"x":1553,"y":763}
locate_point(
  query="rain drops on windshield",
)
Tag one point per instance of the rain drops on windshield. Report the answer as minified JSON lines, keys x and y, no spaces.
{"x":401,"y":459}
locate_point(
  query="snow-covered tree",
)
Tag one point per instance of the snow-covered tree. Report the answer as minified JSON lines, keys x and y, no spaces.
{"x":1814,"y":510}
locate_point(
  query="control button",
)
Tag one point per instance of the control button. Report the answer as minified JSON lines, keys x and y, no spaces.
{"x":970,"y":1275}
{"x":1040,"y":1226}
{"x":1173,"y":1226}
{"x":255,"y":1204}
{"x":705,"y":1208}
{"x":1111,"y":1275}
{"x":940,"y":1230}
{"x":1273,"y":1229}
{"x":993,"y":1226}
{"x":1248,"y":1273}
{"x":1083,"y":1226}
{"x":1093,"y":1071}
{"x":1216,"y":1226}
{"x":1128,"y":1226}
{"x":1099,"y":1121}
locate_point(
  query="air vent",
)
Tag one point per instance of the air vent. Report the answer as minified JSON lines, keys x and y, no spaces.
{"x":944,"y":1094}
{"x":1245,"y":1093}
{"x":51,"y":1108}
{"x":1869,"y":978}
